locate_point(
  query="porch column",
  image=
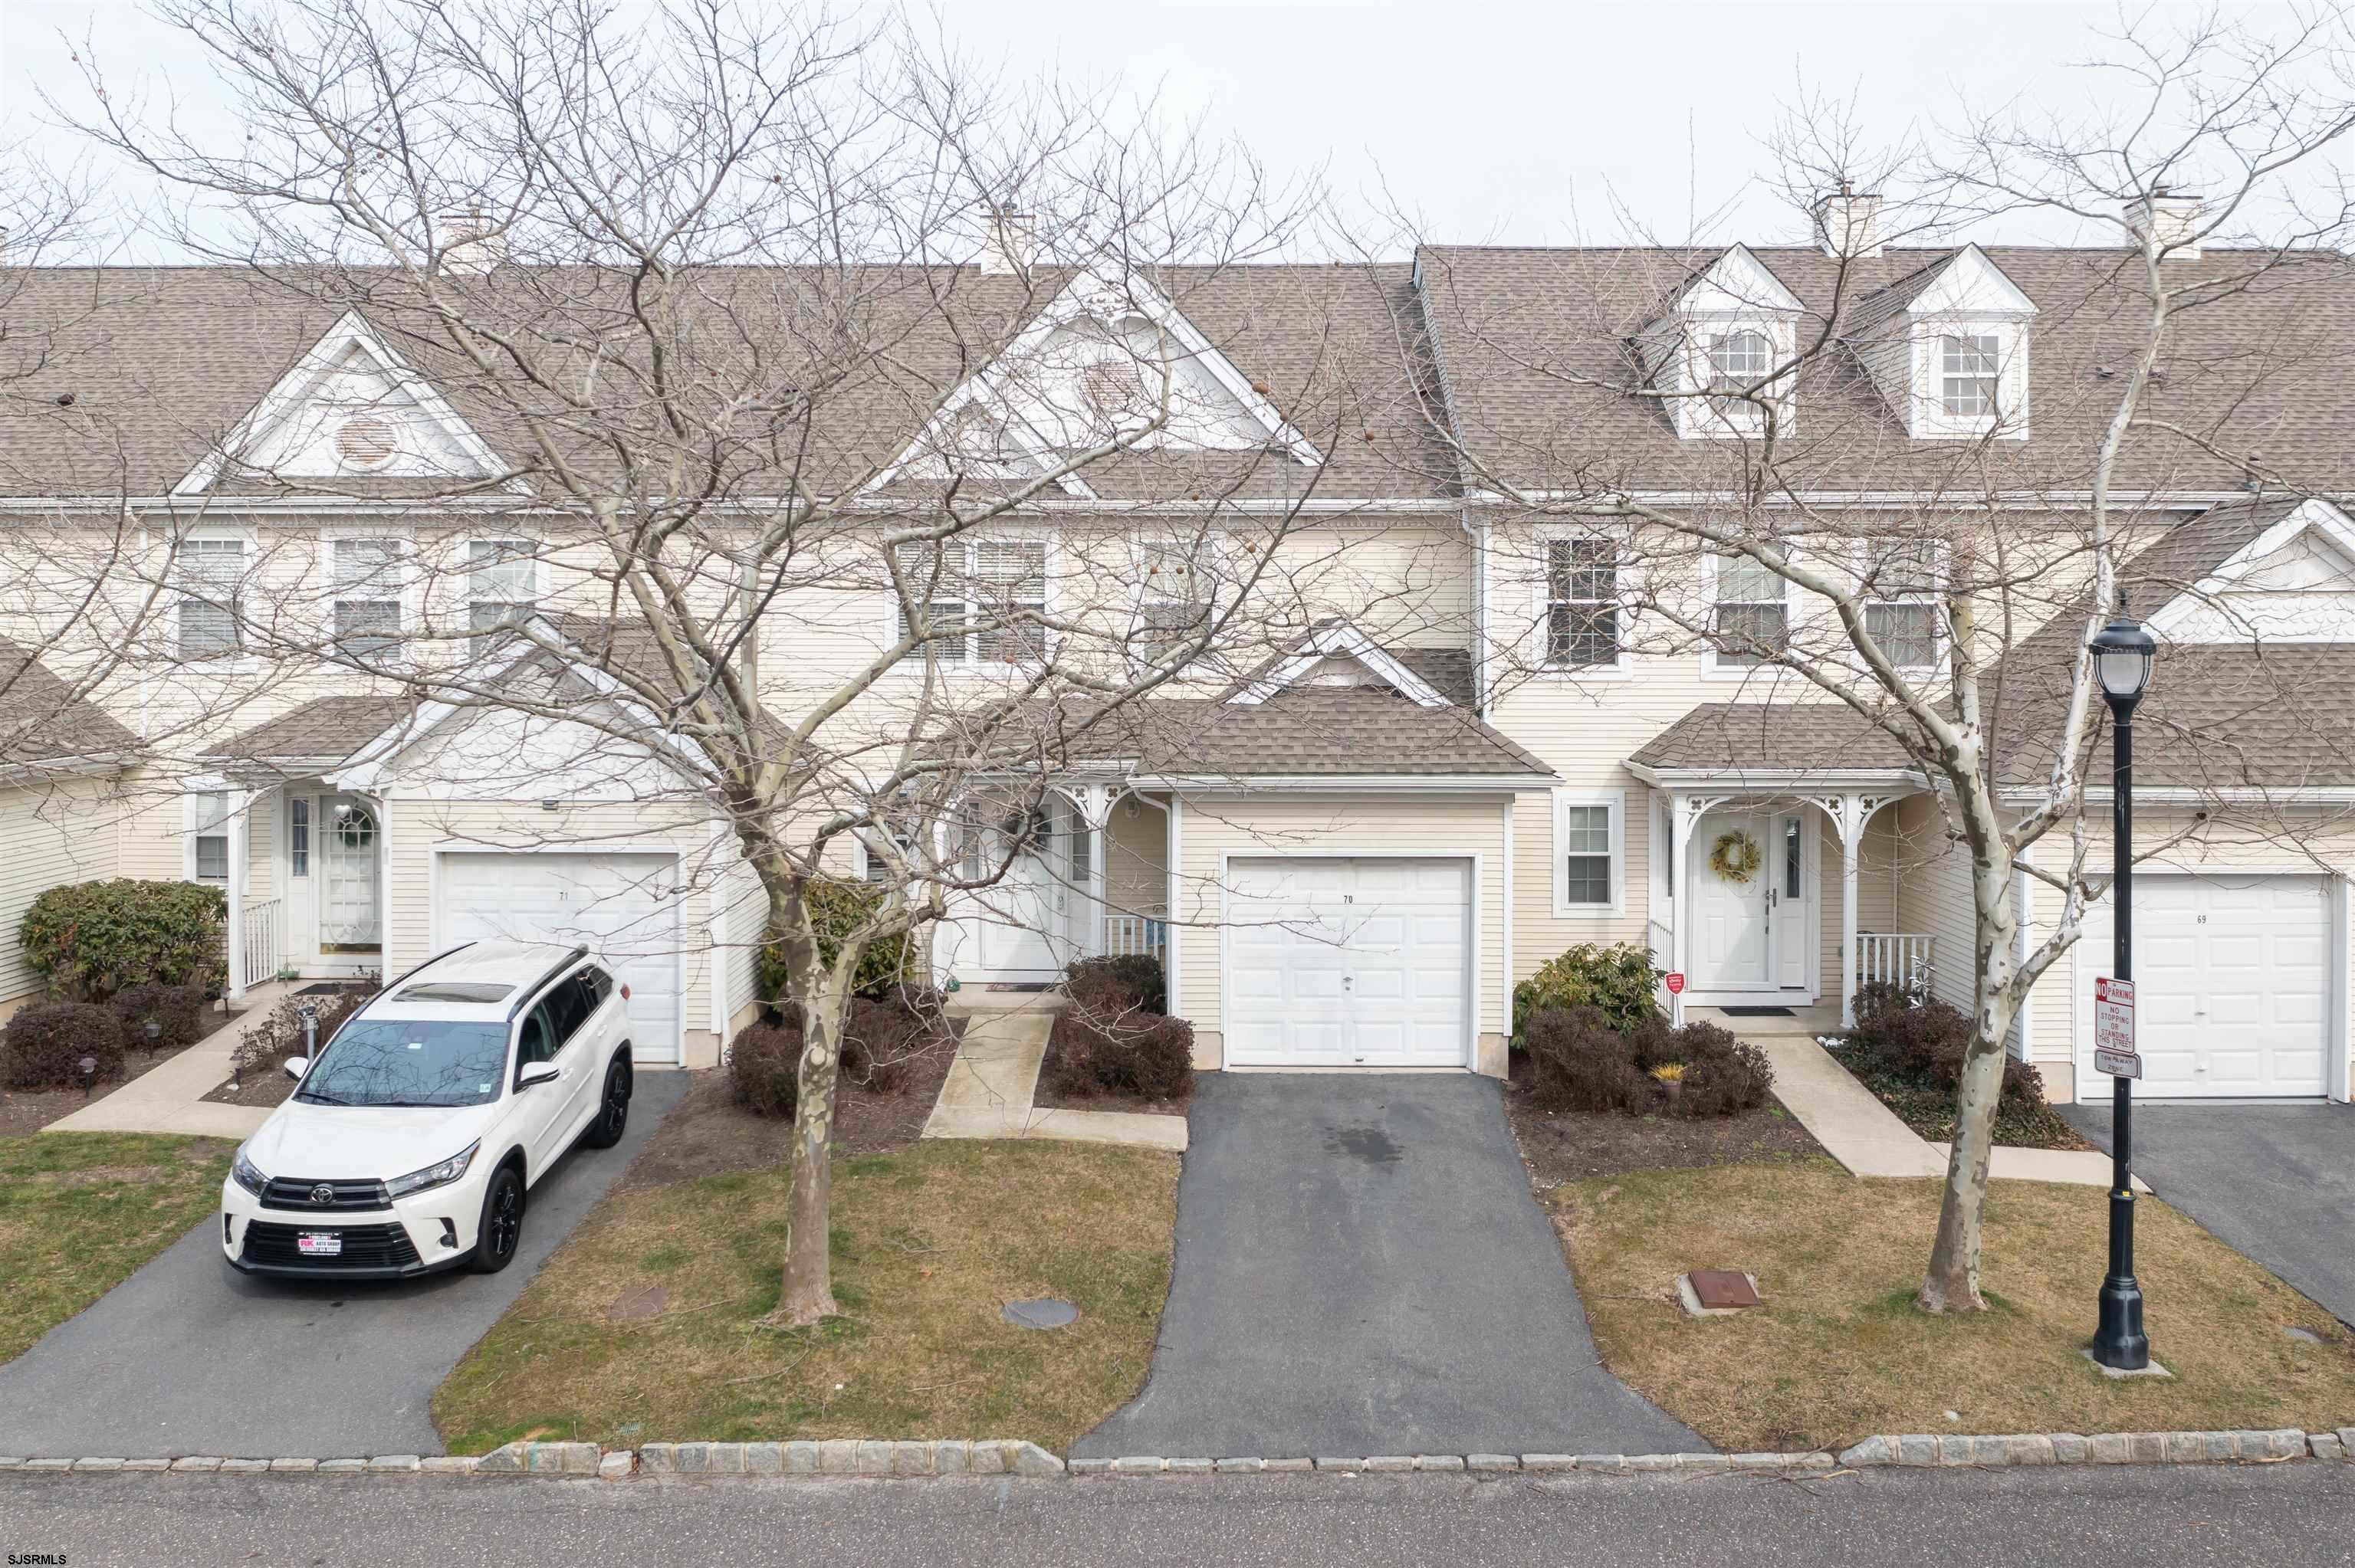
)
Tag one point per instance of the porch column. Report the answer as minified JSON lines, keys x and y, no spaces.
{"x":1684,"y":810}
{"x":1852,"y":834}
{"x":382,"y":802}
{"x":1094,"y":802}
{"x":233,"y":990}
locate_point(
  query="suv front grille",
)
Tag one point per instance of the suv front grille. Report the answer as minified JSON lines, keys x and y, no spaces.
{"x":364,"y":1246}
{"x":295,"y":1192}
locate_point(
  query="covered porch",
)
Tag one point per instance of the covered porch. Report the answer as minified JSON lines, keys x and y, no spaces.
{"x":302,"y":866}
{"x":1087,"y":876}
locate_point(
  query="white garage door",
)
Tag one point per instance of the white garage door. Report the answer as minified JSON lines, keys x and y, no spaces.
{"x":2233,"y":977}
{"x":617,"y":904}
{"x":1359,"y":962}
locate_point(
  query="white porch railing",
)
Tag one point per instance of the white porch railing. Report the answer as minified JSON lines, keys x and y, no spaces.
{"x":263,"y":923}
{"x":1901,"y":957}
{"x":1126,"y":934}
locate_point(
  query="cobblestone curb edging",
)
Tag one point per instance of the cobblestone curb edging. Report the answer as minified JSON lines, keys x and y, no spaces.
{"x":1010,"y":1456}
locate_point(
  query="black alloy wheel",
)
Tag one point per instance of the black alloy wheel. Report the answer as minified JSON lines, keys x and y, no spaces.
{"x":613,"y":1111}
{"x":502,"y":1227}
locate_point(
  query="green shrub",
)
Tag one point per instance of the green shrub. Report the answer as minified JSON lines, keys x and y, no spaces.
{"x":177,"y":1011}
{"x":1579,"y":1063}
{"x":43,"y":1044}
{"x":1139,"y":973}
{"x":1618,"y":980}
{"x":1913,"y":1054}
{"x":888,"y":967}
{"x":92,"y":939}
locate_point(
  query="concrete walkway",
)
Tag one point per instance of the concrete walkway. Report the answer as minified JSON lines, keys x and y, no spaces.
{"x":170,"y":1095}
{"x":994,"y":1078}
{"x":1866,"y":1136}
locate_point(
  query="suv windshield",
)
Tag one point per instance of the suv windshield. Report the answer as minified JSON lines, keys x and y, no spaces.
{"x":408,"y":1062}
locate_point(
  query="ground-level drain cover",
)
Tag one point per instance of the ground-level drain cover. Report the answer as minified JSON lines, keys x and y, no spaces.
{"x":1044,"y":1313}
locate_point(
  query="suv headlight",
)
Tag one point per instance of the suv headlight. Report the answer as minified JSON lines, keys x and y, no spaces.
{"x":440,"y":1175}
{"x":246,"y":1174}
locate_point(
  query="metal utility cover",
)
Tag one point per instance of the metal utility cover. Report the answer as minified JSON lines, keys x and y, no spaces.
{"x":1722,"y":1288}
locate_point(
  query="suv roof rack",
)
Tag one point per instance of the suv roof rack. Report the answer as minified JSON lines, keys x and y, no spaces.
{"x":388,"y":987}
{"x":525,"y":997}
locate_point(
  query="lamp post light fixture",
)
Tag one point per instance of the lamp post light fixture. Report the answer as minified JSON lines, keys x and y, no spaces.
{"x":88,"y":1065}
{"x":2121,"y":652}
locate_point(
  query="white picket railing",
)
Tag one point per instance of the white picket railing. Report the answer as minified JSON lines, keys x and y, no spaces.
{"x":262,"y":921}
{"x":1903,"y":958}
{"x":1126,"y":934}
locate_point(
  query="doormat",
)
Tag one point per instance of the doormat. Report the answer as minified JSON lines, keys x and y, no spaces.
{"x":327,"y":988}
{"x":1757,"y":1013}
{"x":1020,"y":985}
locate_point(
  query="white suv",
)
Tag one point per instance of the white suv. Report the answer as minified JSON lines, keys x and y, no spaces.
{"x":413,"y":1135}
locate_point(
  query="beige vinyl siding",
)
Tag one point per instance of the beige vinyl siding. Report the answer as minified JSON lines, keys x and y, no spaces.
{"x":1136,"y":859}
{"x":55,"y":833}
{"x":1279,"y":826}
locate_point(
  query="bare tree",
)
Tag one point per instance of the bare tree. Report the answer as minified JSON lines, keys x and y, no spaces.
{"x":1727,"y":436}
{"x":698,"y":287}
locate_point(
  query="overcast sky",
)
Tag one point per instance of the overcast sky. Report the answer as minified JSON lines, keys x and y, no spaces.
{"x":1495,"y":121}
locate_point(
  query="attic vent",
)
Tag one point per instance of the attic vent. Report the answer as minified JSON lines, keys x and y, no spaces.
{"x":1112,"y":387}
{"x":367,"y":440}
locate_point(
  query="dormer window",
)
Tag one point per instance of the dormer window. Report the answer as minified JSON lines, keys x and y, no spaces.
{"x":1969,"y":366}
{"x":1720,"y":355}
{"x":1737,"y":362}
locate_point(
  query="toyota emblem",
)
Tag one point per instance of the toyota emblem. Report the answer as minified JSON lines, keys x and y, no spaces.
{"x":323,"y":1194}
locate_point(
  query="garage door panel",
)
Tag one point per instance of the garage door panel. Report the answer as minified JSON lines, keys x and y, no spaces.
{"x":616,"y":904}
{"x":2236,"y":976}
{"x":1368,"y":956}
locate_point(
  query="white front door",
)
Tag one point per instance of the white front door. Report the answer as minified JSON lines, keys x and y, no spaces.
{"x":1025,"y":929}
{"x":623,"y":907}
{"x":1349,"y":962}
{"x":2232,"y":979}
{"x":347,"y":841}
{"x":1733,"y":946}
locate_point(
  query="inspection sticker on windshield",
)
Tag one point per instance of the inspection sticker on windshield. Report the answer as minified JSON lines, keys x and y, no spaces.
{"x":2114,"y":1028}
{"x":319,"y":1243}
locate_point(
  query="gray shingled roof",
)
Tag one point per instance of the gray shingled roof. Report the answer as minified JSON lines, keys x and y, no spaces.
{"x":42,"y":720}
{"x":1537,"y":343}
{"x":324,"y":729}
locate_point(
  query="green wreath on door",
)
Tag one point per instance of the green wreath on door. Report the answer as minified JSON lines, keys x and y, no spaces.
{"x":1736,"y":856}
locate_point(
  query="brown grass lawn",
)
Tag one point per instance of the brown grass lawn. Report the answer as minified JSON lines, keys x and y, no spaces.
{"x":80,"y":1211}
{"x":929,"y":1244}
{"x":1837,"y":1352}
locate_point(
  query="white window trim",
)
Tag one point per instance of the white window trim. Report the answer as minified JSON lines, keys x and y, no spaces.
{"x":464,"y":569}
{"x":1209,"y":551}
{"x":1616,"y":804}
{"x":1858,"y":561}
{"x":1929,"y":421}
{"x":1697,"y":418}
{"x":405,"y":591}
{"x":249,"y":545}
{"x":1716,"y":668}
{"x":1541,"y":606}
{"x":194,"y":808}
{"x":966,"y":666}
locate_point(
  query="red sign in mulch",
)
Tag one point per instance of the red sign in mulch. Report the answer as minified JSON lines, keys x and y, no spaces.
{"x":1676,"y":985}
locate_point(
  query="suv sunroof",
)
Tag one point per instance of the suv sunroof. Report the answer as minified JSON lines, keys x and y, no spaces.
{"x":456,"y":990}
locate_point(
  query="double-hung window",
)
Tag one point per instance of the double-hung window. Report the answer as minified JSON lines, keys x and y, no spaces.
{"x":210,"y":575}
{"x":209,"y":838}
{"x":1174,"y":601}
{"x":369,"y":583}
{"x":1751,"y":616}
{"x":1967,"y":369}
{"x":1737,"y":364}
{"x":1586,"y":842}
{"x":499,"y":587}
{"x":1900,"y":605}
{"x":1582,"y":625}
{"x":975,"y":602}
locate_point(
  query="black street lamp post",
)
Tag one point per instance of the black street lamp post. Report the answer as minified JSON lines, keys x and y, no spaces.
{"x":2122,"y":658}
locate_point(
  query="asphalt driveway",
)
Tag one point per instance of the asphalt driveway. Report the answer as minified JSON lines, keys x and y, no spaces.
{"x":2277,"y":1182}
{"x":1361,"y":1269}
{"x":188,"y":1356}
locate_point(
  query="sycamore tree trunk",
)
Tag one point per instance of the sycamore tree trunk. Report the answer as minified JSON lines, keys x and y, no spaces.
{"x":822,"y":991}
{"x":1951,"y":1283}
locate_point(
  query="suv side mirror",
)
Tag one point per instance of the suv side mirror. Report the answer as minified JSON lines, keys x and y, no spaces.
{"x":296,"y":1067}
{"x":537,"y":1073}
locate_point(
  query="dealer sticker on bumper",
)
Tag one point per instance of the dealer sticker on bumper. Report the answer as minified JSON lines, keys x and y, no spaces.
{"x":319,"y":1243}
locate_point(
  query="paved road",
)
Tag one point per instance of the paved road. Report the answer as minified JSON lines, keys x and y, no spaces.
{"x":187,"y":1356}
{"x":1361,"y":1269}
{"x":2277,"y":1182}
{"x":2157,"y":1517}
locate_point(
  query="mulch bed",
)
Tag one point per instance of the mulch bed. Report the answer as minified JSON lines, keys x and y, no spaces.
{"x":23,"y":1111}
{"x":264,"y":1087}
{"x":1929,"y":1109}
{"x":707,"y":1133}
{"x":1048,"y":1099}
{"x":1569,"y":1146}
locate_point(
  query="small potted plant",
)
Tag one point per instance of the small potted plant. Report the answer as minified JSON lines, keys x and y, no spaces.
{"x":1670,"y":1076}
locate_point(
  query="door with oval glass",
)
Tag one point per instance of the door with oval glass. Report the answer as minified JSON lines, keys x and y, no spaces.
{"x":1748,"y":875}
{"x":350,"y":909}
